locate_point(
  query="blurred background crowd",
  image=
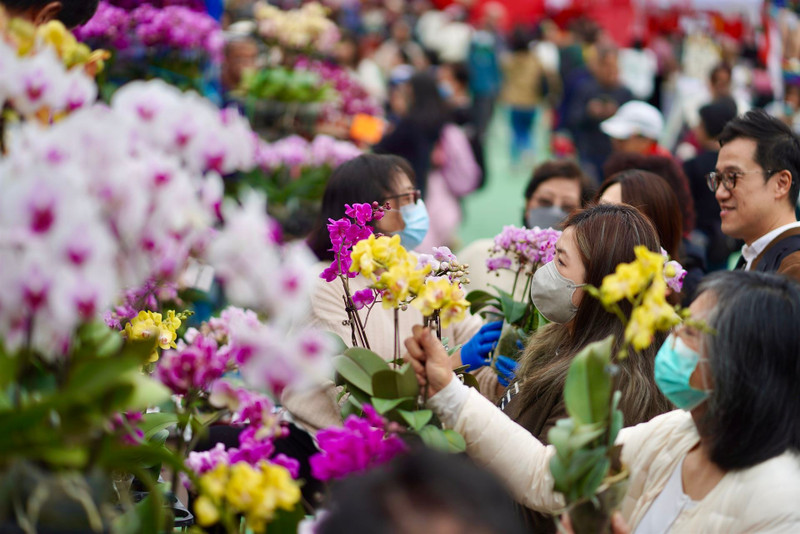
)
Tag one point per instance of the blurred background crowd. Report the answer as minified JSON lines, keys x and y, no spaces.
{"x":475,"y":94}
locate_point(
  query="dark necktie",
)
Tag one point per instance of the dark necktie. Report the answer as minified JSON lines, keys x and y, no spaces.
{"x":741,"y":264}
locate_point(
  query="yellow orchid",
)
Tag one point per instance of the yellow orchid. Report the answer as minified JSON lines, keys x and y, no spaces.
{"x":641,"y":283}
{"x":628,"y":280}
{"x":212,"y":483}
{"x":444,"y":296}
{"x":206,"y":512}
{"x":149,"y":325}
{"x":254,"y":492}
{"x":242,"y":486}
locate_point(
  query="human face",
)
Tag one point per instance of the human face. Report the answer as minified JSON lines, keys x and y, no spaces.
{"x":568,"y":262}
{"x":749,"y":210}
{"x":239,"y":57}
{"x":612,"y":195}
{"x":608,"y":71}
{"x":562,"y":192}
{"x":636,"y":144}
{"x":721,"y":85}
{"x":700,"y":309}
{"x":403,"y":194}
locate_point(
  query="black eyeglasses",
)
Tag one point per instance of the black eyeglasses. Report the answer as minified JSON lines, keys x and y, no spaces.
{"x":415,"y":196}
{"x":728,"y":179}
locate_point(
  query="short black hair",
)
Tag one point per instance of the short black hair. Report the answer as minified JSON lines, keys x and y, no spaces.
{"x":365,"y":179}
{"x":73,"y":12}
{"x":753,"y":356}
{"x":423,"y":485}
{"x":777,"y":147}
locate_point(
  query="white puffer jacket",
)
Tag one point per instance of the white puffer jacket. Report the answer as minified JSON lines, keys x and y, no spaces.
{"x":763,"y":498}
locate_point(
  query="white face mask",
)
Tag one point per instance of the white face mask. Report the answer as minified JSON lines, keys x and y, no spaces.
{"x":552,"y":294}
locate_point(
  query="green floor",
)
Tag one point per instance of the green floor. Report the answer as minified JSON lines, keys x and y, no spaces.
{"x":502,"y":199}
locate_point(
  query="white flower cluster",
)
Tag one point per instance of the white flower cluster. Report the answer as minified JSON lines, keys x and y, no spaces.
{"x":111,"y":197}
{"x":297,"y":28}
{"x":41,"y":81}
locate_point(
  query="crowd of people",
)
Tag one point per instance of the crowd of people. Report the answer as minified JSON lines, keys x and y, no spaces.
{"x":712,"y":179}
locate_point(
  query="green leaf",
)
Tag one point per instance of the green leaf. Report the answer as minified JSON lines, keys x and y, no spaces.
{"x":434,"y":438}
{"x":559,"y":435}
{"x":385,"y":405}
{"x":393,"y":384}
{"x":559,"y":472}
{"x":9,"y":367}
{"x":351,"y":373}
{"x":367,"y":360}
{"x":470,"y":380}
{"x":339,"y":345}
{"x":155,"y":422}
{"x":416,"y":420}
{"x":146,"y":391}
{"x":583,"y":461}
{"x":617,"y":419}
{"x":512,"y":309}
{"x":480,"y":299}
{"x":66,"y":456}
{"x":584,"y":435}
{"x":361,"y":396}
{"x":456,"y":441}
{"x":351,"y":407}
{"x":587,"y":390}
{"x":286,"y":521}
{"x":588,"y":485}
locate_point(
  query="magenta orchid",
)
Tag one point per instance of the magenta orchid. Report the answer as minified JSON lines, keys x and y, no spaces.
{"x":360,"y":445}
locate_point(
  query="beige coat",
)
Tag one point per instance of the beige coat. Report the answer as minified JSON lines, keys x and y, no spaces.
{"x":763,"y":498}
{"x":522,"y":80}
{"x":318,"y":408}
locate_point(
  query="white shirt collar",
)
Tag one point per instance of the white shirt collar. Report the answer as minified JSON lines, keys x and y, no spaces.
{"x":751,"y":252}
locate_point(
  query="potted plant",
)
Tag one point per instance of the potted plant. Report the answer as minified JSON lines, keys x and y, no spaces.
{"x":587,"y":469}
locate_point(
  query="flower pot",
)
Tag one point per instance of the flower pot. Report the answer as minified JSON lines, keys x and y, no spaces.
{"x":511,"y":343}
{"x":593,"y":516}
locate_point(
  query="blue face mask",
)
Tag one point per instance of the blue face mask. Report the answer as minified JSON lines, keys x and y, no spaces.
{"x":415,"y":217}
{"x":675,"y":363}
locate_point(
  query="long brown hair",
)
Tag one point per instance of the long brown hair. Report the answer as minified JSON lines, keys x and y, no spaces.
{"x":652,"y":195}
{"x":606,"y":235}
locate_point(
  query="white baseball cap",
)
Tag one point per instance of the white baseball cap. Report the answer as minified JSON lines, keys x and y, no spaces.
{"x":634,"y":118}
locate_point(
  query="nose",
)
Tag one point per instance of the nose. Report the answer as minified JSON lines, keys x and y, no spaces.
{"x":721,"y":193}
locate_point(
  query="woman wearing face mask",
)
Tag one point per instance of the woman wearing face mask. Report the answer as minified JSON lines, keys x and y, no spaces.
{"x":593,"y":243}
{"x":727,"y":460}
{"x":556,"y":189}
{"x":366,"y":179}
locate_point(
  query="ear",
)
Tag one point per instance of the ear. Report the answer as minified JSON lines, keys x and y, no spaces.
{"x":47,"y":13}
{"x":782,"y":182}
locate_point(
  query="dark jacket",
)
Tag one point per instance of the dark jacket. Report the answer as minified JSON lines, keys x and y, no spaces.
{"x":782,"y":255}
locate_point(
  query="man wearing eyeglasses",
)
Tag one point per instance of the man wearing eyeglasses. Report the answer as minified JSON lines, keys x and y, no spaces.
{"x":756,"y":184}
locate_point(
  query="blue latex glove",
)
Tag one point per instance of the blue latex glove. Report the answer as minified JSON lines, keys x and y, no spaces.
{"x":506,"y":370}
{"x":476,"y":351}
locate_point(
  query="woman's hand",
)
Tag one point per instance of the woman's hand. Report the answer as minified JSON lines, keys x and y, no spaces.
{"x":429,"y":359}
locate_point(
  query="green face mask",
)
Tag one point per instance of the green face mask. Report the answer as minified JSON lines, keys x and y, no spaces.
{"x":675,"y":363}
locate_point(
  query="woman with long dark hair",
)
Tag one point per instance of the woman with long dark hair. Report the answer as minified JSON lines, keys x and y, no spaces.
{"x":422,"y":116}
{"x":386,"y":180}
{"x":593,"y":243}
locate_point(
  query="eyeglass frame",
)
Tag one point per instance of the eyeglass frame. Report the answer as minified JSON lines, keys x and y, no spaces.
{"x":416,"y":198}
{"x":711,"y":178}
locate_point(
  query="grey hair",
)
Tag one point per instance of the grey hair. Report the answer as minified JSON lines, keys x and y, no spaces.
{"x":755,"y":369}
